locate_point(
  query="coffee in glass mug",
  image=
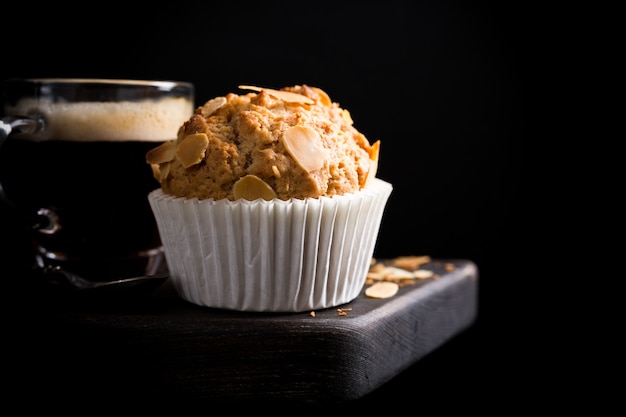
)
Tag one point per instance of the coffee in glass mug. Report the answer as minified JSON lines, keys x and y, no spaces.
{"x":74,"y":167}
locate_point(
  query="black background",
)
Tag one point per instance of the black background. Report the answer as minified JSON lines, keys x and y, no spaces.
{"x":445,"y":86}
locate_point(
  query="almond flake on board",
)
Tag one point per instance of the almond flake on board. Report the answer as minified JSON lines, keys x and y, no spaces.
{"x":423,"y":274}
{"x":382,"y":289}
{"x":390,"y":273}
{"x":400,"y":271}
{"x":411,"y":262}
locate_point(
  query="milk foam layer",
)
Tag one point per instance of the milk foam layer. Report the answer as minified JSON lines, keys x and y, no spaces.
{"x":149,"y":120}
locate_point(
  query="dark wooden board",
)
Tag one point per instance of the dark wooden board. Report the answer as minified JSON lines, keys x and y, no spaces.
{"x":164,"y":345}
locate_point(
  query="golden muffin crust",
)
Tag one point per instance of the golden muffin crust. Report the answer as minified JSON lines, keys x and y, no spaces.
{"x":288,"y":143}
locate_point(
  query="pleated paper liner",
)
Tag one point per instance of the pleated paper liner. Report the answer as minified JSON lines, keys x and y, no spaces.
{"x":272,"y":256}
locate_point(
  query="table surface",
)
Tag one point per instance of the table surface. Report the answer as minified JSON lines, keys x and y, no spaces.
{"x":158,"y":343}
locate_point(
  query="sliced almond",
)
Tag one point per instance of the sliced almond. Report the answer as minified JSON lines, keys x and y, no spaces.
{"x":251,"y":87}
{"x":345,"y":115}
{"x":286,"y":96}
{"x":305,"y":146}
{"x":161,"y":171}
{"x":423,"y":274}
{"x":375,"y":265}
{"x":251,"y":187}
{"x":382,"y":289}
{"x":192,"y":149}
{"x":156,"y":172}
{"x":164,"y":169}
{"x":392,"y":272}
{"x":163,"y":153}
{"x":377,"y":275}
{"x":373,"y":162}
{"x":411,"y":262}
{"x":212,"y":106}
{"x":324,"y":98}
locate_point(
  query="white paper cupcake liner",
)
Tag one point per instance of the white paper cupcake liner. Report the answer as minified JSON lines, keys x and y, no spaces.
{"x":272,"y":256}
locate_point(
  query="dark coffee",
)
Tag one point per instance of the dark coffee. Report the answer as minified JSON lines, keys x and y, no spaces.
{"x":81,"y":185}
{"x":99,"y":192}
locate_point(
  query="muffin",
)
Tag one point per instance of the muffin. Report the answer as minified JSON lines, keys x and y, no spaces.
{"x":268,"y":201}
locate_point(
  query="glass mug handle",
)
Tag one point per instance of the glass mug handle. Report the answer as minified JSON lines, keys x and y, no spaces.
{"x":46,"y":221}
{"x":31,"y":125}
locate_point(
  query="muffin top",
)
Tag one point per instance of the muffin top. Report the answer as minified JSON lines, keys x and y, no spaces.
{"x":288,"y":143}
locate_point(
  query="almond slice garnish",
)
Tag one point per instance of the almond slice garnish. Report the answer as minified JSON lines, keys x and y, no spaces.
{"x":345,"y":115}
{"x":324,"y":98}
{"x":164,"y":170}
{"x":156,"y":172}
{"x":375,"y":151}
{"x":163,"y":153}
{"x":286,"y":96}
{"x":161,"y":171}
{"x":305,"y":147}
{"x":192,"y":148}
{"x":212,"y":106}
{"x":251,"y":187}
{"x":382,"y":289}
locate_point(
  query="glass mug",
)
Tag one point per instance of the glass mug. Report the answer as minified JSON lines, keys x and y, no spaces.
{"x":72,"y":163}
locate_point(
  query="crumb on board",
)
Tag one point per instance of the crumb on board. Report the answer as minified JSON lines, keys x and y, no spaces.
{"x":343,"y":311}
